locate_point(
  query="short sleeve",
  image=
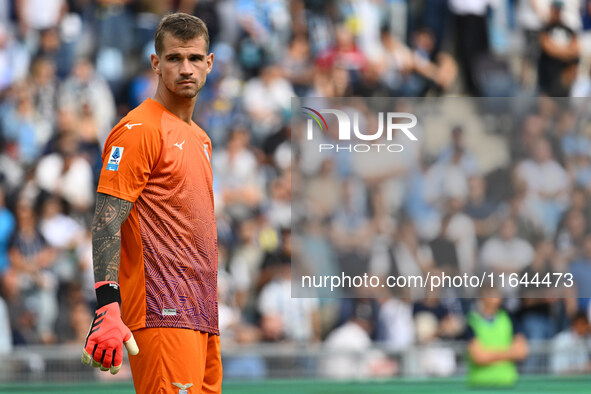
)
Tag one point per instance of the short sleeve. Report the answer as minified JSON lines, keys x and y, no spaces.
{"x":129,"y":156}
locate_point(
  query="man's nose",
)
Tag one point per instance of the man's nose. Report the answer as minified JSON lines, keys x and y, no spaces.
{"x":186,"y":68}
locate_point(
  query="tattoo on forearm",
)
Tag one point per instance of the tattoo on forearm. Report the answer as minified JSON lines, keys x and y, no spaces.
{"x":109,"y":215}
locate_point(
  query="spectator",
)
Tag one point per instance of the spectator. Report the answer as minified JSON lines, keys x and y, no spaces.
{"x":267,"y":99}
{"x":581,"y":87}
{"x":571,"y":14}
{"x":245,"y":263}
{"x":24,"y":131}
{"x":324,"y":190}
{"x":142,"y":86}
{"x":345,"y":54}
{"x":265,"y":25}
{"x":581,"y":166}
{"x":7,"y":225}
{"x":495,"y":344}
{"x":316,"y":254}
{"x":73,"y":315}
{"x":239,"y":182}
{"x":114,"y":25}
{"x":4,"y":12}
{"x":471,"y":38}
{"x":547,"y":185}
{"x":430,"y":69}
{"x":396,"y":61}
{"x":14,"y":58}
{"x":67,"y":175}
{"x":570,"y":352}
{"x":235,"y":330}
{"x":44,"y":88}
{"x":481,"y":209}
{"x":458,"y":154}
{"x":580,"y":268}
{"x":21,"y":317}
{"x":85,"y":269}
{"x":567,"y":141}
{"x":558,"y":62}
{"x":419,"y":205}
{"x":407,"y":256}
{"x":519,"y":207}
{"x":539,"y":312}
{"x":449,"y":324}
{"x":67,"y":122}
{"x":57,"y":51}
{"x":349,"y":350}
{"x":297,"y":65}
{"x":5,"y":333}
{"x":506,"y":252}
{"x":351,"y":227}
{"x":36,"y":15}
{"x":531,"y":17}
{"x":458,"y":228}
{"x":79,"y":320}
{"x":85,"y":88}
{"x":63,"y":234}
{"x":284,"y":318}
{"x":530,"y":130}
{"x":32,"y":260}
{"x":88,"y":143}
{"x":444,"y":250}
{"x":278,"y":209}
{"x":569,"y":239}
{"x":448,"y":177}
{"x":432,"y":358}
{"x":395,"y":324}
{"x":367,"y":34}
{"x":11,"y":170}
{"x":578,"y":202}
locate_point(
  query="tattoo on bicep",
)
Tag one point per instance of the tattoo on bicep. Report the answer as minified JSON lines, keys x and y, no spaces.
{"x":109,"y":215}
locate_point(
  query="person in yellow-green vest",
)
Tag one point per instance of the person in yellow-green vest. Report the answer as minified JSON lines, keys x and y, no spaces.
{"x":495,"y":344}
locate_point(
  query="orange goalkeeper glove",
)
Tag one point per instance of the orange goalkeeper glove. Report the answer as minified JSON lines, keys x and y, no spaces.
{"x":107,"y":332}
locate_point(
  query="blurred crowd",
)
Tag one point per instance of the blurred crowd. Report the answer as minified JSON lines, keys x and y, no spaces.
{"x":446,"y":207}
{"x":69,"y":69}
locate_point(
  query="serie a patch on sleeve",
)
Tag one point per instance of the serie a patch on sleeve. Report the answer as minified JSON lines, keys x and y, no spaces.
{"x":115,"y":158}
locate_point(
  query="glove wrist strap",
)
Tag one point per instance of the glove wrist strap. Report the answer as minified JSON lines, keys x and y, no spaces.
{"x":107,"y":292}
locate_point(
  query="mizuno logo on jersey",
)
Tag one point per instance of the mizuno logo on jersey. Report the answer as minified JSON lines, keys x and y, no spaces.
{"x":130,"y":125}
{"x":115,"y":158}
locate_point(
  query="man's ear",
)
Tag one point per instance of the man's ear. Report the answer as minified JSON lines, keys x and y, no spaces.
{"x":155,"y":60}
{"x":209,"y":62}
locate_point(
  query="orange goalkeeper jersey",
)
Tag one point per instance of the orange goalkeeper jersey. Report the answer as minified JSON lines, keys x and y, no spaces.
{"x":168,"y":270}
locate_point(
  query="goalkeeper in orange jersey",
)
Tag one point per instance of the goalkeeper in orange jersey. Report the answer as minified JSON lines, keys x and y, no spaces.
{"x":154,"y":233}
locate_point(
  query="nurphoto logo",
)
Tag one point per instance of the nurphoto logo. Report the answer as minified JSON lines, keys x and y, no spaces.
{"x":389,"y":122}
